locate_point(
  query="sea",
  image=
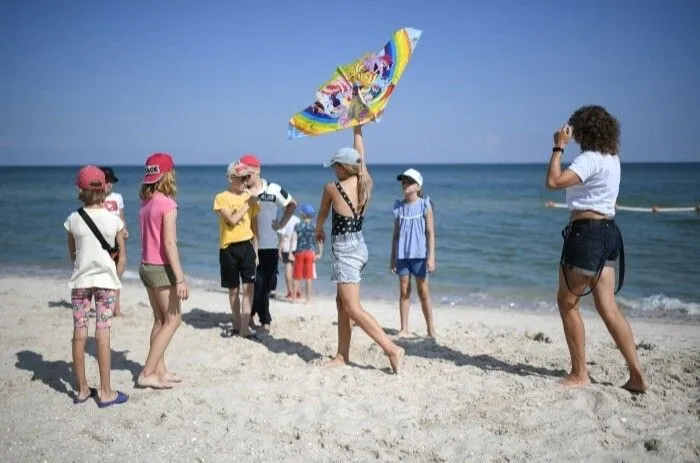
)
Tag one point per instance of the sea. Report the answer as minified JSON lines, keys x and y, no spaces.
{"x":497,"y":245}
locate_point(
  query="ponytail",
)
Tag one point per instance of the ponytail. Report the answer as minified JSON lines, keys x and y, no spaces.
{"x":364,"y":188}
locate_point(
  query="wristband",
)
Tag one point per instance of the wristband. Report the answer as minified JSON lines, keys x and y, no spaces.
{"x":179,"y":282}
{"x":556,"y":148}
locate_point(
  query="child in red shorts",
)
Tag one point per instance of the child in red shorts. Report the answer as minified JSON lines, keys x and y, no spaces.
{"x":305,"y":255}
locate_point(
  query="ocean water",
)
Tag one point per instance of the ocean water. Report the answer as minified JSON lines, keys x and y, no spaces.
{"x":497,"y":245}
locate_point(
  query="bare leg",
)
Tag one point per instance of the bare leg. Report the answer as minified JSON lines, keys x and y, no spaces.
{"x":350,"y":295}
{"x":426,"y":304}
{"x":246,"y":308}
{"x":295,"y":289}
{"x":308,"y":290}
{"x":288,"y":279}
{"x":574,"y":331}
{"x":235,"y":304}
{"x":404,"y":303}
{"x":344,"y":335}
{"x":158,"y":320}
{"x":169,"y":305}
{"x":78,"y":348}
{"x":104,"y":363}
{"x":619,"y":328}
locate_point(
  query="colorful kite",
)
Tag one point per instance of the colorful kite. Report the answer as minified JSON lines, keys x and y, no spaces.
{"x":358,"y":92}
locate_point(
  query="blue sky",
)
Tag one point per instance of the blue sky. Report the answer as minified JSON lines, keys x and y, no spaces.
{"x":113,"y":81}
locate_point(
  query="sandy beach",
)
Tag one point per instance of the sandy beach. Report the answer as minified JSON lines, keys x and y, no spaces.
{"x":483,"y":391}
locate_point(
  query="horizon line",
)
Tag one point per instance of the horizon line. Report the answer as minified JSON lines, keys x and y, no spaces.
{"x":186,"y":164}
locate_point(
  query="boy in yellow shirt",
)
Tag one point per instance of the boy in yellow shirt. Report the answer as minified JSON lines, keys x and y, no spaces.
{"x":238,"y":245}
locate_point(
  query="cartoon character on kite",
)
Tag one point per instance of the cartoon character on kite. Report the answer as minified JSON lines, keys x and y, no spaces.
{"x":358,"y":92}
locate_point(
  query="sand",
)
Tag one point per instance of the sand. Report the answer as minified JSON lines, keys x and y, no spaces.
{"x":483,"y":391}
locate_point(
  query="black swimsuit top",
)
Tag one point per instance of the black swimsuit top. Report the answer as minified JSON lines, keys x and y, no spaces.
{"x":342,"y":224}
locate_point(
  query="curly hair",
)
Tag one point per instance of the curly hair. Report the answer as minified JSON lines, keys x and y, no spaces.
{"x":595,"y":129}
{"x":165,"y":185}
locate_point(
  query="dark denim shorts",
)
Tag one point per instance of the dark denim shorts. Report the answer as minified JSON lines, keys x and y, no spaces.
{"x":590,"y":244}
{"x":415,"y":267}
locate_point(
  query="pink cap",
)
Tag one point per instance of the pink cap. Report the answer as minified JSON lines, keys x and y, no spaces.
{"x":91,"y":178}
{"x":156,"y":165}
{"x":250,"y":160}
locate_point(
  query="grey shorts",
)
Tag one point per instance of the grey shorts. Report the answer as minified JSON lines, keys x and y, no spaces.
{"x":156,"y":276}
{"x":349,"y":257}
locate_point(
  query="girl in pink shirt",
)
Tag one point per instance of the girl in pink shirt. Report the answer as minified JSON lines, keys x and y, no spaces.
{"x":160,"y":268}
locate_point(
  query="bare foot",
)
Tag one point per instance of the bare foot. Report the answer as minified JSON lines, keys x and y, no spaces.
{"x":572,"y":380}
{"x":404,"y":334}
{"x":118,"y":313}
{"x":635,"y":386}
{"x":172,"y":378}
{"x":265,"y":328}
{"x":152,"y":381}
{"x":337,"y":361}
{"x":396,"y":360}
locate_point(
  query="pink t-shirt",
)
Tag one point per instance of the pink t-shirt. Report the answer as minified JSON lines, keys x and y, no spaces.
{"x":151,"y":224}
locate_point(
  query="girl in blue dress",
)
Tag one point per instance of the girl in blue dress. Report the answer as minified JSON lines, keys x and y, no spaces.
{"x":413,"y":247}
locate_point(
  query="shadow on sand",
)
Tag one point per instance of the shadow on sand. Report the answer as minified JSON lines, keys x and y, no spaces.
{"x":430,"y":349}
{"x":62,"y":303}
{"x":203,"y":320}
{"x":58,"y":374}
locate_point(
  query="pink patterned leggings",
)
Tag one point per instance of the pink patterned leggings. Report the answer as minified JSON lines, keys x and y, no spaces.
{"x":81,"y":298}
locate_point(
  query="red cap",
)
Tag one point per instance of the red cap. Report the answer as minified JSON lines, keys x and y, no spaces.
{"x":156,"y":165}
{"x":91,"y":178}
{"x":250,"y":160}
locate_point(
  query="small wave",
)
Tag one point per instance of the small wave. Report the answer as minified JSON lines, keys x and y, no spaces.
{"x":662,"y":306}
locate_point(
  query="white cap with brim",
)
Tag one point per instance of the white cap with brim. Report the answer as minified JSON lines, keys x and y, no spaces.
{"x":344,"y":156}
{"x":413,"y":174}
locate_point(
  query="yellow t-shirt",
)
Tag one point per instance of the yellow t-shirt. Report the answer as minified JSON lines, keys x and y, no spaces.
{"x":240,"y":232}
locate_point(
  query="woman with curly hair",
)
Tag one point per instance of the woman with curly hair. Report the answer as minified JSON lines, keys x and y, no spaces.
{"x":592,"y":240}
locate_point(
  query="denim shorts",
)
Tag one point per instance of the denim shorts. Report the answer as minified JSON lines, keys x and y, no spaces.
{"x":349,"y":257}
{"x":415,"y":267}
{"x":589,"y":245}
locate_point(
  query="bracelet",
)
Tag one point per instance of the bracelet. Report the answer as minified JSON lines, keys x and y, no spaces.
{"x":179,"y":282}
{"x":557,"y":149}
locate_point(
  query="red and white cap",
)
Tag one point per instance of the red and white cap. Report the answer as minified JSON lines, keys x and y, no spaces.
{"x":252,"y":162}
{"x":156,"y":166}
{"x":91,"y":178}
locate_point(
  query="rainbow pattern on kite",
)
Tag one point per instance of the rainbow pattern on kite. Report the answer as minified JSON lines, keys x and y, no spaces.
{"x":358,"y":92}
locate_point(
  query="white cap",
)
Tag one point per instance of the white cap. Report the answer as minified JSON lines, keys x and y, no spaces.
{"x":413,"y":174}
{"x":346,"y":155}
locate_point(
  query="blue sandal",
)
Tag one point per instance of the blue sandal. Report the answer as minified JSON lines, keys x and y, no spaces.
{"x":121,"y":398}
{"x":93,"y":394}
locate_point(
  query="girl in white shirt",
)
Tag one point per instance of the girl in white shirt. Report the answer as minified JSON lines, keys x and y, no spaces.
{"x":592,"y":240}
{"x":95,"y":275}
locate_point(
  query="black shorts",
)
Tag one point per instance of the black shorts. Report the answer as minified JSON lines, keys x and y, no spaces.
{"x":285,"y":258}
{"x":589,"y":245}
{"x":237,"y":263}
